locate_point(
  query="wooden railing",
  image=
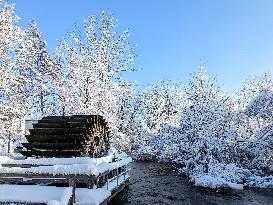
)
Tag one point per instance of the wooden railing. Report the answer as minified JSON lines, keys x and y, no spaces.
{"x":72,"y":180}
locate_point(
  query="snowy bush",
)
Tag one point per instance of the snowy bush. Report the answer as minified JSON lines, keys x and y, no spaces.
{"x":215,"y":138}
{"x":232,"y":176}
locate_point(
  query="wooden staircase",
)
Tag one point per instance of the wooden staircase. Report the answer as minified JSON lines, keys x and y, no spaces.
{"x":68,"y":136}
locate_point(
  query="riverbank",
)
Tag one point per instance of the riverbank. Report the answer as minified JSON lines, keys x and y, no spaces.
{"x":212,"y":175}
{"x":158,"y":183}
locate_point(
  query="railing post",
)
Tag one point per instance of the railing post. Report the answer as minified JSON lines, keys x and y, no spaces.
{"x":117,"y":177}
{"x":98,"y":182}
{"x":90,"y":183}
{"x":107,"y":179}
{"x":72,"y":184}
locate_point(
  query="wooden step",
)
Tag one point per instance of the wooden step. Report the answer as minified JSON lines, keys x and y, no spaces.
{"x":60,"y":125}
{"x":54,"y":121}
{"x":55,"y":146}
{"x":66,"y":136}
{"x":50,"y":153}
{"x":56,"y":117}
{"x":57,"y":131}
{"x":76,"y":138}
{"x":91,"y":118}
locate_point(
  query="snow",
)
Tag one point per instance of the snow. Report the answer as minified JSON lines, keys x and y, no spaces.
{"x":4,"y":159}
{"x":58,"y":195}
{"x":112,"y":153}
{"x":79,"y":169}
{"x":113,"y":183}
{"x":215,"y":182}
{"x":63,"y":166}
{"x":66,"y":166}
{"x":260,"y":181}
{"x":91,"y":196}
{"x":235,"y":186}
{"x":221,"y":175}
{"x":271,"y":168}
{"x":122,"y":162}
{"x":36,"y":194}
{"x":53,"y":202}
{"x":49,"y":161}
{"x":66,"y":195}
{"x":96,"y":196}
{"x":232,"y":176}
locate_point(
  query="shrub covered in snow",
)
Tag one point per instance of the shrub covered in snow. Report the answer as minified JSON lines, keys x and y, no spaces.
{"x":217,"y":143}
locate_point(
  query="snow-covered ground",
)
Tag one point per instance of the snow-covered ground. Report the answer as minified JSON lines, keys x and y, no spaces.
{"x":232,"y":176}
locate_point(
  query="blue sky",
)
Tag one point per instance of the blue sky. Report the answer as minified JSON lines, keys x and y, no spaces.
{"x":234,"y":37}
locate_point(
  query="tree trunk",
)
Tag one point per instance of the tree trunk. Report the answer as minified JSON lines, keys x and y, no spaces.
{"x":63,"y":111}
{"x":9,"y":139}
{"x":42,"y":103}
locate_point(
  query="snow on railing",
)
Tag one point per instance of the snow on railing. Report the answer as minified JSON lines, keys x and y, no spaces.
{"x":124,"y":174}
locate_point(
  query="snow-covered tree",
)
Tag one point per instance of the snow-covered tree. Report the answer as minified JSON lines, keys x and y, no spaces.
{"x":252,"y":86}
{"x":205,"y":124}
{"x":35,"y":66}
{"x":162,"y":104}
{"x":91,"y":62}
{"x":11,"y":110}
{"x":261,"y":106}
{"x":258,"y":134}
{"x":132,"y":123}
{"x":252,"y":97}
{"x":205,"y":132}
{"x":254,"y":121}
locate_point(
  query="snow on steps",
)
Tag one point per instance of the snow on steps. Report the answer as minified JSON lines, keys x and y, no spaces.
{"x":51,"y":195}
{"x":65,"y":166}
{"x":100,"y":196}
{"x":112,"y":153}
{"x":72,"y":169}
{"x":35,"y":194}
{"x":49,"y":169}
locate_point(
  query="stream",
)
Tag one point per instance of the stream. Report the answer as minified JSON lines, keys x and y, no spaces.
{"x":155,"y":183}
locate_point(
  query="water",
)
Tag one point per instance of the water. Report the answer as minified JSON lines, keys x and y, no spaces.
{"x":154,"y":183}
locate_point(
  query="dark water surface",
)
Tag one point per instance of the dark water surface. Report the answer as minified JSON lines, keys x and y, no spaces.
{"x":154,"y":183}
